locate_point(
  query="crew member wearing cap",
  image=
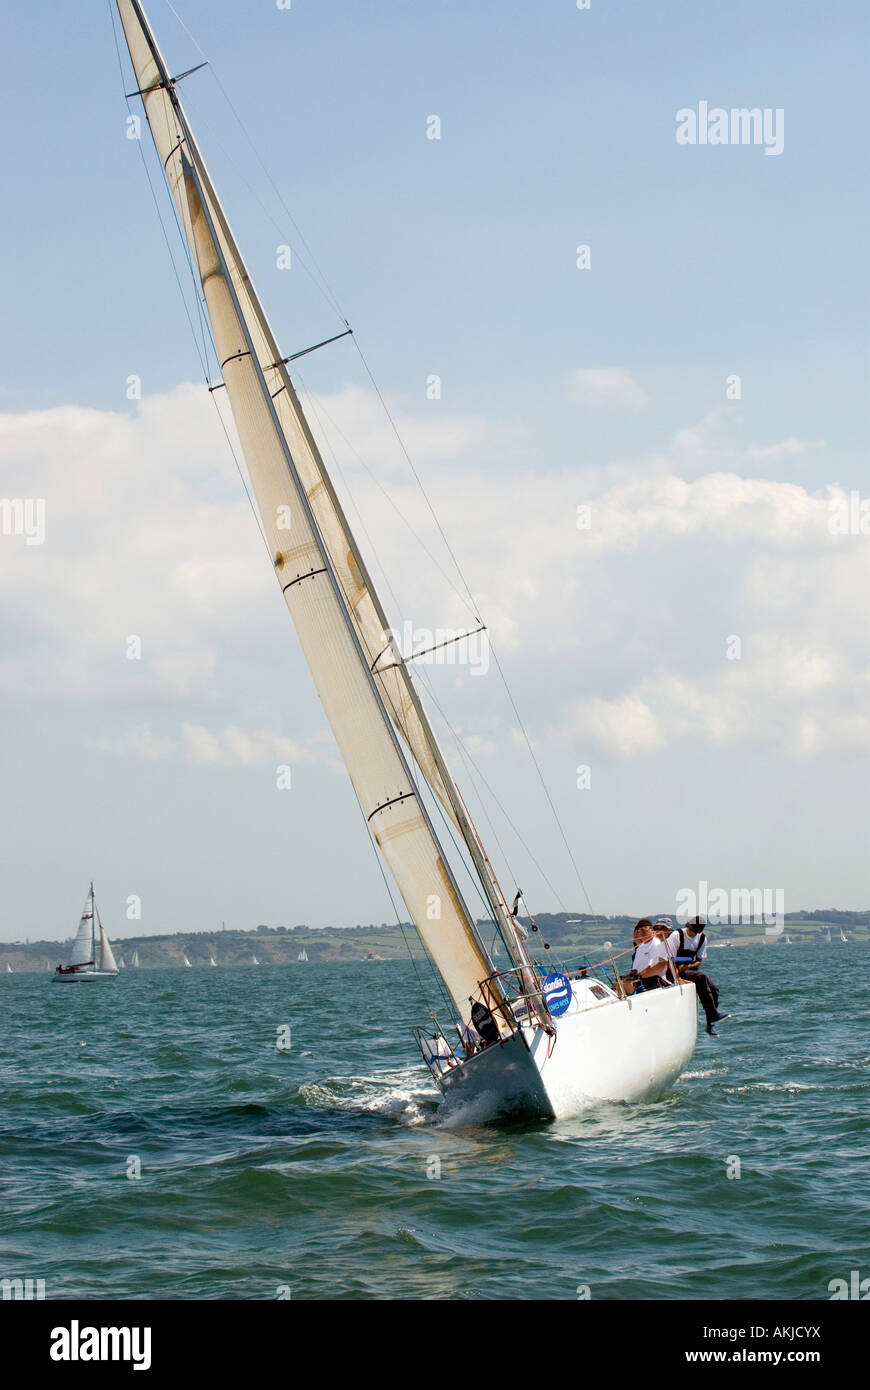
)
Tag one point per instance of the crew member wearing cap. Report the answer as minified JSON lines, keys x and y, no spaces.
{"x":688,"y":947}
{"x":650,"y":960}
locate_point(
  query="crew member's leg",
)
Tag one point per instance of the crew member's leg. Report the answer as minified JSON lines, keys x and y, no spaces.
{"x":703,"y":984}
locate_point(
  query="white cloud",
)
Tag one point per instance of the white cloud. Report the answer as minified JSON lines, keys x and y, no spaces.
{"x":607,"y":386}
{"x":621,"y":627}
{"x":234,"y":747}
{"x":785,"y":449}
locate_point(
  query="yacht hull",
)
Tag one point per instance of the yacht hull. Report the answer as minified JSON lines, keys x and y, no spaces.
{"x":77,"y":976}
{"x":622,"y":1050}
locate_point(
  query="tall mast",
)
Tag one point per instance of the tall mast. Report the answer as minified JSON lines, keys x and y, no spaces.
{"x":351,"y":572}
{"x":352,"y":696}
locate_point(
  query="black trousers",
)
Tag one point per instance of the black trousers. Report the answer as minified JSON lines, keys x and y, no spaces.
{"x":708,"y":993}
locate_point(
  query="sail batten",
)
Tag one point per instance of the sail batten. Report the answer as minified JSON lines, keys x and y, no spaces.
{"x":313,"y":553}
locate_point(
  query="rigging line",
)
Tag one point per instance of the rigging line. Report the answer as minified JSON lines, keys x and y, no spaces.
{"x":415,"y":768}
{"x":470,"y":867}
{"x":416,"y":771}
{"x":441,"y":988}
{"x":542,"y":780}
{"x":335,"y":304}
{"x":417,"y":477}
{"x":499,"y":667}
{"x":424,"y":993}
{"x":203,"y":123}
{"x":205,"y":327}
{"x":424,"y":681}
{"x":470,"y":768}
{"x":324,"y":287}
{"x":469,"y":760}
{"x":240,"y":471}
{"x":317,"y":407}
{"x":474,"y":609}
{"x":202,"y":360}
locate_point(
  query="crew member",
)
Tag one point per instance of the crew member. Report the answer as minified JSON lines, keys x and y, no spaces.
{"x":689,"y":947}
{"x":650,"y":959}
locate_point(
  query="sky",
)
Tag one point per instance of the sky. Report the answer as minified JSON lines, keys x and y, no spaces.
{"x":689,"y":652}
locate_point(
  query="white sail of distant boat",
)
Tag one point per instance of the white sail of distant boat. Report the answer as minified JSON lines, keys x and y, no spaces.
{"x":303,"y":954}
{"x":828,"y":935}
{"x":843,"y":936}
{"x":134,"y":960}
{"x":609,"y":1047}
{"x":211,"y":960}
{"x":9,"y":970}
{"x":186,"y":961}
{"x":254,"y":960}
{"x":91,"y":956}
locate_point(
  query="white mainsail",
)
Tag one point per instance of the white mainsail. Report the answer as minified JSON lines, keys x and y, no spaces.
{"x":185,"y":960}
{"x":323,"y":584}
{"x":134,"y":960}
{"x":83,"y":952}
{"x":212,"y":961}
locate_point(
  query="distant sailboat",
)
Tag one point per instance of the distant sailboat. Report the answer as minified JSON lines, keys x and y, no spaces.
{"x":9,"y":970}
{"x":91,"y":956}
{"x":254,"y":960}
{"x":212,"y":961}
{"x":186,"y":961}
{"x":843,"y":936}
{"x":828,"y":935}
{"x":303,"y":954}
{"x":134,"y":961}
{"x":122,"y":964}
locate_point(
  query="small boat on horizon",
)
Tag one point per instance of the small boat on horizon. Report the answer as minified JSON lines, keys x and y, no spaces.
{"x":134,"y":960}
{"x":186,"y":962}
{"x":303,"y":954}
{"x":91,"y":955}
{"x":212,"y":961}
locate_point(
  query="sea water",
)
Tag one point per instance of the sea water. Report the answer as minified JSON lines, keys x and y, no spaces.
{"x":271,"y":1133}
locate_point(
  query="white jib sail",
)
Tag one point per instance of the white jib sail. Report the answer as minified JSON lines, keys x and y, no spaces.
{"x":107,"y":959}
{"x":303,"y":563}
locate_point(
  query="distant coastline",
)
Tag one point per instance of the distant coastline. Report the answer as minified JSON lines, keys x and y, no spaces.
{"x":573,"y":934}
